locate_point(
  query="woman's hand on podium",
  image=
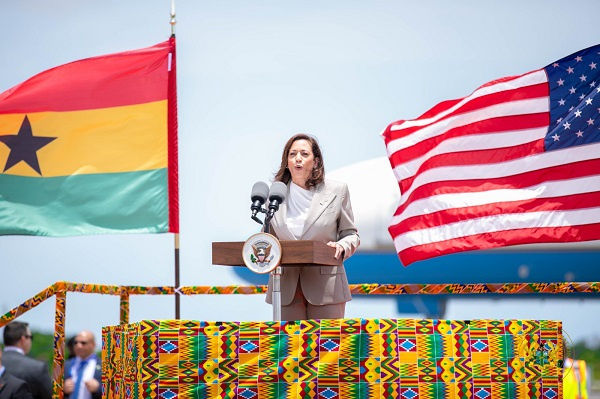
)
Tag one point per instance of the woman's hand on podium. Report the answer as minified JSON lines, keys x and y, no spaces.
{"x":339,"y":250}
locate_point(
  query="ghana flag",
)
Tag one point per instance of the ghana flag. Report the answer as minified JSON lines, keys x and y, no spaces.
{"x":90,"y":147}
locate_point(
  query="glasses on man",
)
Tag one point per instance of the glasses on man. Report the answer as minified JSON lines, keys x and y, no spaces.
{"x":80,"y":342}
{"x":29,"y":337}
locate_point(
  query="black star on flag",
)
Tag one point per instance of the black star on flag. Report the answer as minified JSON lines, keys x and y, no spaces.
{"x":24,"y":146}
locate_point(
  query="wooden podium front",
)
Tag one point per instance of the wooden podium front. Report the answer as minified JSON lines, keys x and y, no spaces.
{"x":293,"y":253}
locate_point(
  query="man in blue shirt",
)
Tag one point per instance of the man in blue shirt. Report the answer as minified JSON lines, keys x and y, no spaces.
{"x":83,"y":374}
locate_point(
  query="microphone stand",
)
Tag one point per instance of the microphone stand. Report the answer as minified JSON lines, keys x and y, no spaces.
{"x":267,"y":224}
{"x":275,"y":273}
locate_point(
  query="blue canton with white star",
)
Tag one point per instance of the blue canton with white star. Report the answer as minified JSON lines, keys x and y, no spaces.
{"x":574,"y":100}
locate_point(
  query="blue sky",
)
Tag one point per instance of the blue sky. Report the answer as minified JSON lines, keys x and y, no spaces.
{"x":250,"y":74}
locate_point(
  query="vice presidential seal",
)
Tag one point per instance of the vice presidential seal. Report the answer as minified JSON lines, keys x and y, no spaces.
{"x":261,"y":253}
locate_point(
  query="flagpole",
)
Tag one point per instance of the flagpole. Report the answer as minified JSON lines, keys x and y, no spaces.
{"x":177,"y":282}
{"x":177,"y":293}
{"x":173,"y":21}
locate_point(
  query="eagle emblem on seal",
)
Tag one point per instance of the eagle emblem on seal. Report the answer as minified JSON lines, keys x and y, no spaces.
{"x":262,"y":253}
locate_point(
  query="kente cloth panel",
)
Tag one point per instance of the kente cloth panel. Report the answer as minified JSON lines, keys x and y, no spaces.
{"x":331,"y":359}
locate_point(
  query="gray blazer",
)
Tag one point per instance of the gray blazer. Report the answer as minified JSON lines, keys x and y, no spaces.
{"x":33,"y":371}
{"x":330,"y":218}
{"x":13,"y":388}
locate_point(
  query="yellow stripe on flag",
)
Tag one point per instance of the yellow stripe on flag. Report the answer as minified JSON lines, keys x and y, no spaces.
{"x":109,"y":140}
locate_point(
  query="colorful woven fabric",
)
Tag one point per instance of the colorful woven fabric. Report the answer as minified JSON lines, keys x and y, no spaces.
{"x":330,"y":359}
{"x":356,"y":289}
{"x":286,"y":335}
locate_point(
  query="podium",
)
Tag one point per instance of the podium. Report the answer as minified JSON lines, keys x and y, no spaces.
{"x":293,"y":253}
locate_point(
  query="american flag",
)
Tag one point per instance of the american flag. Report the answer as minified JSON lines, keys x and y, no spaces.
{"x":516,"y":162}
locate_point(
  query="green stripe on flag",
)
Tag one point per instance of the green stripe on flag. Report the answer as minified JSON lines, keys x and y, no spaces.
{"x":130,"y":202}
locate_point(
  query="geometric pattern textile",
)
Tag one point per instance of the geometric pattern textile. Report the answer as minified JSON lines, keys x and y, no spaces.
{"x":333,"y":359}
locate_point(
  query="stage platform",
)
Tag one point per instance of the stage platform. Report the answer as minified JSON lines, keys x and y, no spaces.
{"x":330,"y":359}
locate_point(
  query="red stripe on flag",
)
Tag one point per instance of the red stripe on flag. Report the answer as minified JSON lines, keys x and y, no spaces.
{"x":521,"y":93}
{"x":579,"y":233}
{"x":474,"y":158}
{"x":493,"y":125}
{"x":439,"y":108}
{"x":453,"y":215}
{"x":519,"y":181}
{"x":127,"y":78}
{"x":173,"y":144}
{"x":447,"y":104}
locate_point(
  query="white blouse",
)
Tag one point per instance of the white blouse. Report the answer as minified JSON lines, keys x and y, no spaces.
{"x":298,"y":205}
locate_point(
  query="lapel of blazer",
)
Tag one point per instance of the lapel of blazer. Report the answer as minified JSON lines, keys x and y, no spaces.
{"x":319,"y":203}
{"x":2,"y":381}
{"x":280,"y":218}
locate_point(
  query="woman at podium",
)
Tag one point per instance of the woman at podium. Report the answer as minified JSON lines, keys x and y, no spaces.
{"x":314,"y":209}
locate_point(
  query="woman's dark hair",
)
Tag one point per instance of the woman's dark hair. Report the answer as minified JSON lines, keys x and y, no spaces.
{"x":318,"y":173}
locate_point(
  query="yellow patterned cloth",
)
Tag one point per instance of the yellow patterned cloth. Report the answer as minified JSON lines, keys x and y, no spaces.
{"x":331,"y":359}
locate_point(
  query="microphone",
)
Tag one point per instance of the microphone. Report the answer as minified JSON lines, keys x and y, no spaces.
{"x":258,"y":196}
{"x":276,"y":197}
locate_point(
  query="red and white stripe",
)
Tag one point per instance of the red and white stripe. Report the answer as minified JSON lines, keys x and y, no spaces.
{"x":473,"y":174}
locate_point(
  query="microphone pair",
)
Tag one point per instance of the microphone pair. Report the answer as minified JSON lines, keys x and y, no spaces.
{"x":260,"y":193}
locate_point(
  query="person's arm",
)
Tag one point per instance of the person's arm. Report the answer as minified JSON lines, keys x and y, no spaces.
{"x":588,"y":378}
{"x":68,"y":384}
{"x":95,"y":385}
{"x":22,"y":391}
{"x":44,"y":382}
{"x":347,"y":232}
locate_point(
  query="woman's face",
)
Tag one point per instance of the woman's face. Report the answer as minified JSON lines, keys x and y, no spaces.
{"x":301,"y":162}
